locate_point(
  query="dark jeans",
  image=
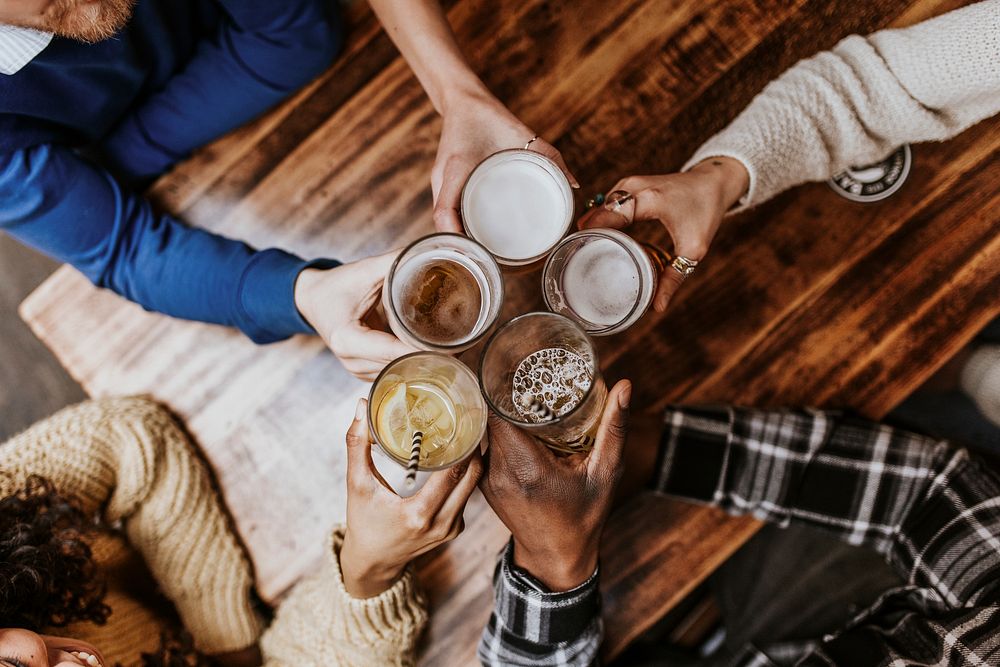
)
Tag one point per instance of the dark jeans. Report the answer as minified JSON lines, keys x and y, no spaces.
{"x":788,"y":584}
{"x":796,"y":583}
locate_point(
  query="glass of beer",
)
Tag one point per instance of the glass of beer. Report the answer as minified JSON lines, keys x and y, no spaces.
{"x":539,"y":371}
{"x":518,"y":204}
{"x":433,"y":394}
{"x":603,"y":279}
{"x":443,"y":293}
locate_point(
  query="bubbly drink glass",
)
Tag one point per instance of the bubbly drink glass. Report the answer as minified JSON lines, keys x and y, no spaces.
{"x":602,"y":278}
{"x":539,"y":371}
{"x":443,"y":293}
{"x":518,"y":204}
{"x":434,"y":394}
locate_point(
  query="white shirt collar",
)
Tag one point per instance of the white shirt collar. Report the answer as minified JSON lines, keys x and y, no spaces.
{"x":19,"y":46}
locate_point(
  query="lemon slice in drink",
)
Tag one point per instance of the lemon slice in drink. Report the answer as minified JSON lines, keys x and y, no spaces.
{"x":394,"y":420}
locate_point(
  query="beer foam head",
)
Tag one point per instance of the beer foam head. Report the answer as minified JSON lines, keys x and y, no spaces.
{"x":602,"y":278}
{"x":518,"y":204}
{"x":601,"y":282}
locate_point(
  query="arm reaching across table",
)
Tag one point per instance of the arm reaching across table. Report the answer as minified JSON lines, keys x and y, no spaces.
{"x":547,"y":609}
{"x":476,"y":123}
{"x":78,"y":213}
{"x":127,"y":460}
{"x":203,"y":71}
{"x":859,"y":101}
{"x":849,"y":106}
{"x":363,"y":607}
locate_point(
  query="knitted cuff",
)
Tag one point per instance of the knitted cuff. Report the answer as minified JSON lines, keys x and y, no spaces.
{"x":981,"y":381}
{"x":399,"y":610}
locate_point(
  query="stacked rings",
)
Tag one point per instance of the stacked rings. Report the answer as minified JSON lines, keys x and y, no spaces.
{"x":683,"y":265}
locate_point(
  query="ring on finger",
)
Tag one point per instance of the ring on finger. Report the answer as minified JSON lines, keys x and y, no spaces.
{"x":531,"y":141}
{"x":622,"y":203}
{"x":683,"y":265}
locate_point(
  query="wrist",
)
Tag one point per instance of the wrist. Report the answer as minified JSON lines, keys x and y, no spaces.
{"x":557,"y":571}
{"x":729,"y":177}
{"x":366,"y":577}
{"x":463,"y":95}
{"x":306,"y":285}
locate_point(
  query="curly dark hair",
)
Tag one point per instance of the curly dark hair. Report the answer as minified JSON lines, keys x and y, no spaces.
{"x":48,"y":577}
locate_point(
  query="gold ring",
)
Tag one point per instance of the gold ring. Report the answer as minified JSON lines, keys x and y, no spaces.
{"x":683,"y":265}
{"x":531,"y":141}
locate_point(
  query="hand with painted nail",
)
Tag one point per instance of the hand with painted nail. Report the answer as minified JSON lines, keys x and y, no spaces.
{"x":690,"y":205}
{"x":385,"y":532}
{"x":555,"y":506}
{"x":475,"y":128}
{"x":338,"y":303}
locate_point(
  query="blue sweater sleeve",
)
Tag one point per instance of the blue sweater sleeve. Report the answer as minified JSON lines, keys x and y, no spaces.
{"x":260,"y":51}
{"x":77,"y":213}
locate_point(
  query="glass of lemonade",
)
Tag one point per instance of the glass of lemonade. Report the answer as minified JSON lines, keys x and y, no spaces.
{"x":547,"y":359}
{"x":603,"y":279}
{"x":443,"y":293}
{"x":428,"y":392}
{"x":518,"y":204}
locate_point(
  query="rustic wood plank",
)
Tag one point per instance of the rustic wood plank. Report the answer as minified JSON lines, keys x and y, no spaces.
{"x":807,"y":299}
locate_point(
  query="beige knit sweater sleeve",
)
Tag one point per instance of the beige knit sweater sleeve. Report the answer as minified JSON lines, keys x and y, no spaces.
{"x":856,"y":103}
{"x":128,"y":459}
{"x":320,"y":625}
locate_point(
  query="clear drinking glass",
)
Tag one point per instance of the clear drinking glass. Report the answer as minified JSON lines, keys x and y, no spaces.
{"x":435,"y":394}
{"x":443,"y":293}
{"x":547,"y":359}
{"x":603,"y":279}
{"x":517,"y":203}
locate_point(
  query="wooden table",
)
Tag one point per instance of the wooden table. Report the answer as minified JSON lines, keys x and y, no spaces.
{"x":808,"y":299}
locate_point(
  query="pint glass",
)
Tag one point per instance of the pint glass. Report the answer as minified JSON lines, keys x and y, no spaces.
{"x":539,"y":371}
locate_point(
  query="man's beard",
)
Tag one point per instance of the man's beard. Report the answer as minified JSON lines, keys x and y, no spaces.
{"x":87,"y":21}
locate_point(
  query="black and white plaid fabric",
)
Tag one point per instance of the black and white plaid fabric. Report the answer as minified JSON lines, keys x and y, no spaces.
{"x":932,"y":510}
{"x":532,"y":626}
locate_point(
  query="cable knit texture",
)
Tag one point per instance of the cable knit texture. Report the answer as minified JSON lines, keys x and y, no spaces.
{"x":321,"y":625}
{"x":856,"y":103}
{"x":981,"y":380}
{"x":127,"y":460}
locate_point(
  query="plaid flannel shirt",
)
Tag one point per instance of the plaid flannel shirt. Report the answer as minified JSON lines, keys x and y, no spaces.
{"x":933,"y":511}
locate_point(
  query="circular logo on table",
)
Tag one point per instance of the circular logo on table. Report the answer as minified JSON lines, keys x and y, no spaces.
{"x":875,"y":181}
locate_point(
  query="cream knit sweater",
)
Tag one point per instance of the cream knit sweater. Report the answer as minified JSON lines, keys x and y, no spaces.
{"x":128,"y":461}
{"x":856,"y":103}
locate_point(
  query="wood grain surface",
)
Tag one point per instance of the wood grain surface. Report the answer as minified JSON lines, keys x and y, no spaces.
{"x":809,"y":299}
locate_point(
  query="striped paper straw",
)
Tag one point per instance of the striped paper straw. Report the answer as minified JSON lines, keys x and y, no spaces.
{"x":411,"y":468}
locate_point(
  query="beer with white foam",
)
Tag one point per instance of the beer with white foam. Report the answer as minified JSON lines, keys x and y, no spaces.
{"x":603,"y":279}
{"x":518,"y":204}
